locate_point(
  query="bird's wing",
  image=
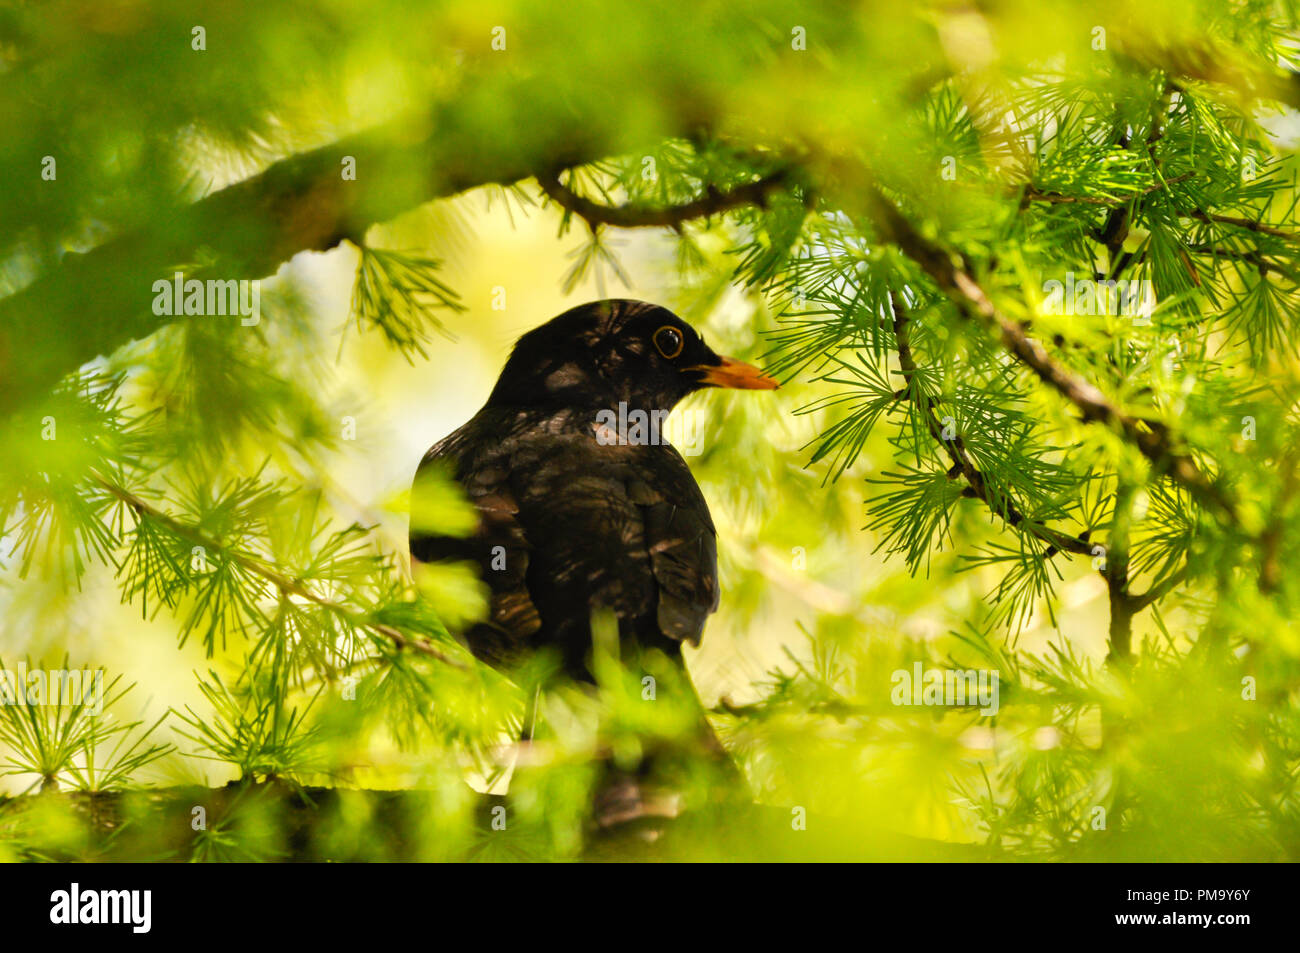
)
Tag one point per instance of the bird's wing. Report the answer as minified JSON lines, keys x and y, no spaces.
{"x":499,"y":546}
{"x":566,"y":526}
{"x":682,"y":542}
{"x":624,"y":528}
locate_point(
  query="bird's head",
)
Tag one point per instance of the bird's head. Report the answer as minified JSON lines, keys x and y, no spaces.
{"x":598,"y":354}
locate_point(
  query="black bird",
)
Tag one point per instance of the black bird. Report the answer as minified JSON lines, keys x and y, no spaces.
{"x":577,"y":514}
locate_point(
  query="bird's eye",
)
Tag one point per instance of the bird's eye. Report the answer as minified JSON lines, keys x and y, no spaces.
{"x":669,"y":341}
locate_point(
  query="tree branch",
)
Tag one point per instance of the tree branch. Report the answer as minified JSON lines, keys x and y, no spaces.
{"x":1031,"y":193}
{"x":1160,"y":590}
{"x":1122,"y":605}
{"x":302,"y":203}
{"x":285,"y":584}
{"x":1261,"y":228}
{"x":956,"y":450}
{"x":631,"y":215}
{"x":1265,"y":265}
{"x":972,"y":303}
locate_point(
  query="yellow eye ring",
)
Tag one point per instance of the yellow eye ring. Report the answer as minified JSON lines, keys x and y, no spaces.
{"x":672,"y":333}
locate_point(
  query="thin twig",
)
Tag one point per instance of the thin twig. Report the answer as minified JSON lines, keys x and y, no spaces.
{"x":1265,"y":265}
{"x":1160,"y":590}
{"x":1031,"y":193}
{"x":285,"y":584}
{"x":1262,"y":228}
{"x":632,"y":215}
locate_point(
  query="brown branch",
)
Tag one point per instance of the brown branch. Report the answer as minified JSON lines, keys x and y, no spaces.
{"x":1114,"y":232}
{"x":1031,"y":193}
{"x":1160,"y":590}
{"x":1261,"y":228}
{"x":632,"y":215}
{"x":972,"y":303}
{"x":1028,"y":192}
{"x":956,"y":450}
{"x":302,"y":203}
{"x":1265,"y":265}
{"x":287,"y":585}
{"x":1270,"y":570}
{"x":1122,"y":606}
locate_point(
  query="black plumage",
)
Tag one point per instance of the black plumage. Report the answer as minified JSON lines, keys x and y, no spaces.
{"x":573,"y":518}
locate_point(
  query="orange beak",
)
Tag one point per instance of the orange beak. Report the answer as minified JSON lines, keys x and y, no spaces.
{"x":735,"y":374}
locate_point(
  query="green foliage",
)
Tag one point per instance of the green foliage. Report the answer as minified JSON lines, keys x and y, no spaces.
{"x":60,"y":731}
{"x":395,"y":293}
{"x":1096,"y":504}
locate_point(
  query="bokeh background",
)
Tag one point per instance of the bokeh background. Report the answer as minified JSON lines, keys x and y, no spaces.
{"x":816,"y":615}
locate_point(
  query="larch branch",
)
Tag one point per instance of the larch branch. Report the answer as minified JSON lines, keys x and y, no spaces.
{"x":973,"y":303}
{"x":713,"y":202}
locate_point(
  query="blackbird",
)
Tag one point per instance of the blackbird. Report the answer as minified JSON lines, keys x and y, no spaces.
{"x":578,"y":513}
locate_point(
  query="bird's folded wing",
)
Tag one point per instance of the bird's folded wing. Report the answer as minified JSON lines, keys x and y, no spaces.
{"x":556,"y":539}
{"x":683,"y":551}
{"x":502,"y":552}
{"x":626,"y":529}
